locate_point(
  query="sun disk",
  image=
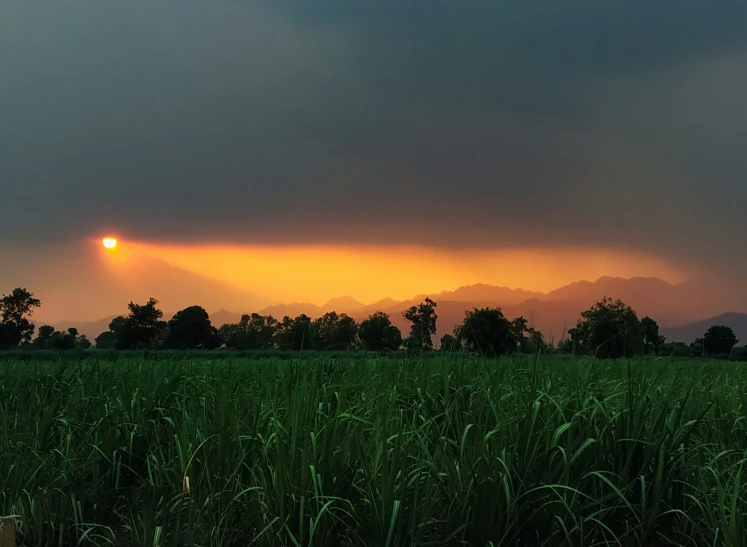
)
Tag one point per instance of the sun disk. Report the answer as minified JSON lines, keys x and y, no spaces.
{"x":109,"y":242}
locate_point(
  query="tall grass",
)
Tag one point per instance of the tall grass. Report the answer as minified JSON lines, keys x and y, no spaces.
{"x":373,"y":451}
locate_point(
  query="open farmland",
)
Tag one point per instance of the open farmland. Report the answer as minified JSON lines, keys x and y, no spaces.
{"x":384,"y":451}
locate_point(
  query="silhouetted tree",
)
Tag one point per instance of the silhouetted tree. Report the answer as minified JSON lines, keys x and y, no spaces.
{"x":652,"y":340}
{"x":718,"y":340}
{"x":696,"y":348}
{"x":108,"y":339}
{"x":252,"y":332}
{"x":334,"y":332}
{"x":105,"y":340}
{"x":49,"y":338}
{"x":15,"y":309}
{"x":528,"y":339}
{"x":675,"y":349}
{"x":487,"y":331}
{"x":576,"y":343}
{"x":83,"y":342}
{"x":294,"y":334}
{"x":143,"y":327}
{"x":610,"y":329}
{"x":190,"y":328}
{"x":423,"y":318}
{"x":450,"y":343}
{"x":377,"y":333}
{"x":44,"y":337}
{"x":532,"y":341}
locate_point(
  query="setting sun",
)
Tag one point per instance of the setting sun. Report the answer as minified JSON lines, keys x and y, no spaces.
{"x":109,"y":242}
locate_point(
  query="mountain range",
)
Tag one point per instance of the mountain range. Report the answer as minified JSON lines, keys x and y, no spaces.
{"x":680,"y":309}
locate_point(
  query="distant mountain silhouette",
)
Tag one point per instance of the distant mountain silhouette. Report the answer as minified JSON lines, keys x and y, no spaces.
{"x":223,"y":316}
{"x":481,"y":292}
{"x":688,"y":333}
{"x":342,"y":304}
{"x":667,"y":303}
{"x":552,"y":313}
{"x":278,"y":311}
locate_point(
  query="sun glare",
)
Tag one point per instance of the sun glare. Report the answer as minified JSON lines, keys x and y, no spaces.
{"x":109,"y":242}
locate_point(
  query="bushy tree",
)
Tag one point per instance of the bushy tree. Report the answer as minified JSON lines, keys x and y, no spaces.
{"x":675,"y":349}
{"x":423,"y":318}
{"x":528,"y":339}
{"x":294,"y":334}
{"x":450,"y":343}
{"x":717,"y":340}
{"x":487,"y":331}
{"x":191,"y":328}
{"x":609,"y":329}
{"x":141,"y":329}
{"x":83,"y":342}
{"x":652,"y":340}
{"x":252,"y":332}
{"x":15,"y":310}
{"x":49,"y":338}
{"x":575,"y":343}
{"x":377,"y":333}
{"x":334,"y":332}
{"x":44,"y":337}
{"x":108,"y":339}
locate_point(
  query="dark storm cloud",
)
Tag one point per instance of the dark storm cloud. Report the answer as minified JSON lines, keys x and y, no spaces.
{"x":491,"y":124}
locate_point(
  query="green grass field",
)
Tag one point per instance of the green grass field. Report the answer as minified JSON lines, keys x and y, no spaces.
{"x":389,"y":451}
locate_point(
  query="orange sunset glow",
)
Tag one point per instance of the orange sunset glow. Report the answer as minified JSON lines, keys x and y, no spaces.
{"x":369,"y":273}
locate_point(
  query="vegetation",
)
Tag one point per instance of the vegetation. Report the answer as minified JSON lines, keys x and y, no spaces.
{"x":718,"y":340}
{"x":377,"y":333}
{"x":423,"y":318}
{"x":439,"y":450}
{"x":48,"y":338}
{"x":15,"y":310}
{"x":610,"y":329}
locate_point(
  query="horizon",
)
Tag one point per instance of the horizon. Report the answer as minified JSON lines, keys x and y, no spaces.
{"x":414,"y":297}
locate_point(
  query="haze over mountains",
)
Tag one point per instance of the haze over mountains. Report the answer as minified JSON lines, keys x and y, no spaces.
{"x":684,"y":311}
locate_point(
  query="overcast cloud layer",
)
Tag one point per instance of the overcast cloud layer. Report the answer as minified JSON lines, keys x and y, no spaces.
{"x":491,"y":124}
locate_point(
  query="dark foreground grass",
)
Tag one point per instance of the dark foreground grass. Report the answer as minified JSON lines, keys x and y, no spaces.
{"x":365,"y":451}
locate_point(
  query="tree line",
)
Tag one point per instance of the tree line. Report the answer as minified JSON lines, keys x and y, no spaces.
{"x":608,"y":329}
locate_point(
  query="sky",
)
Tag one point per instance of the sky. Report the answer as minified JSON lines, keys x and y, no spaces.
{"x":277,"y":146}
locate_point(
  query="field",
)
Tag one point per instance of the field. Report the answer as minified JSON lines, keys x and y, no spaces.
{"x":363,"y":450}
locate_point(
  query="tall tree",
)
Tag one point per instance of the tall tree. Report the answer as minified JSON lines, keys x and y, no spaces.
{"x":143,"y":327}
{"x":377,"y":333}
{"x":610,"y":329}
{"x":15,"y":310}
{"x":334,"y":332}
{"x":191,"y":328}
{"x":294,"y":334}
{"x":487,"y":331}
{"x":423,"y":318}
{"x":652,"y":340}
